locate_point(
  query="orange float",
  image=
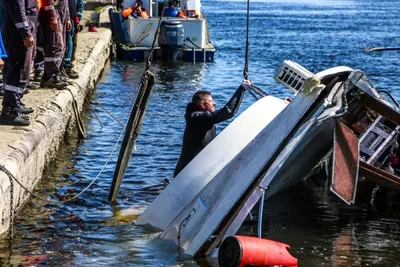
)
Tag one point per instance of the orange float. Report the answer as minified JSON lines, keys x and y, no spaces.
{"x":241,"y":251}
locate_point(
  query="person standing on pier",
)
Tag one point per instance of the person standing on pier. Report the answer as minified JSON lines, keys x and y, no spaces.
{"x":3,"y":53}
{"x":55,"y":21}
{"x":201,"y":118}
{"x":76,"y":12}
{"x":19,"y":33}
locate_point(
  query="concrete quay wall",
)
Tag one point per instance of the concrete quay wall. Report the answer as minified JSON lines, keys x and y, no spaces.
{"x":25,"y":151}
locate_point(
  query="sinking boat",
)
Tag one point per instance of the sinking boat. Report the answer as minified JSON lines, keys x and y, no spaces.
{"x":336,"y":111}
{"x":184,"y":33}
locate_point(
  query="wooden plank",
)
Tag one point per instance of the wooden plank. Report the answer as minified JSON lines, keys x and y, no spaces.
{"x":379,"y":176}
{"x":132,"y":132}
{"x":345,"y":163}
{"x":380,"y":107}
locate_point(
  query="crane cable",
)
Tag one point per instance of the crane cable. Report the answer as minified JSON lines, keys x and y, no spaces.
{"x":246,"y":62}
{"x":254,"y":90}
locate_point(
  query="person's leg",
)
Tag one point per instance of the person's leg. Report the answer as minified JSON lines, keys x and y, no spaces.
{"x":67,"y":63}
{"x":13,"y":75}
{"x":39,"y":57}
{"x":32,"y":21}
{"x":53,"y":51}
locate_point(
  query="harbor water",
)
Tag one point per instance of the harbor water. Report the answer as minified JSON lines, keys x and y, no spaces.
{"x":321,"y":230}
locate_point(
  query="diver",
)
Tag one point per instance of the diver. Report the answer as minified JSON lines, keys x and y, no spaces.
{"x":201,"y":118}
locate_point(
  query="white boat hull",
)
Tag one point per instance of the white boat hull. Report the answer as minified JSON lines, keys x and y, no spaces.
{"x":211,"y":161}
{"x":200,"y":218}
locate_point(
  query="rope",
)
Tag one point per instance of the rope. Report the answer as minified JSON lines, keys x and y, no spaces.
{"x":255,"y":91}
{"x":79,"y":121}
{"x":94,"y":112}
{"x":13,"y":178}
{"x":195,"y":45}
{"x":11,"y":227}
{"x":150,"y":57}
{"x":246,"y":63}
{"x":98,"y":103}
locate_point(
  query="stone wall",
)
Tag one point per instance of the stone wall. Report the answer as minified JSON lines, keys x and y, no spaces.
{"x":25,"y":151}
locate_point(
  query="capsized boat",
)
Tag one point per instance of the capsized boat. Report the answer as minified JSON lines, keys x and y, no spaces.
{"x":209,"y":200}
{"x":184,"y":33}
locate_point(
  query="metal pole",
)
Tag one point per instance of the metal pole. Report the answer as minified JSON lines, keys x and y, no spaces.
{"x":204,"y":55}
{"x":194,"y":56}
{"x":260,"y":214}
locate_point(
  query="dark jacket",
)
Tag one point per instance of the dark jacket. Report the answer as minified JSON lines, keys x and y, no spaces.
{"x":49,"y":9}
{"x":200,"y":128}
{"x":18,"y":10}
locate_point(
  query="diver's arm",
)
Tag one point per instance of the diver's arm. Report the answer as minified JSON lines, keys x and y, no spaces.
{"x":208,"y":118}
{"x":230,"y":109}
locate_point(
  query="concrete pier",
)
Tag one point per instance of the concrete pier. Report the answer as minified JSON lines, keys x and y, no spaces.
{"x":25,"y":151}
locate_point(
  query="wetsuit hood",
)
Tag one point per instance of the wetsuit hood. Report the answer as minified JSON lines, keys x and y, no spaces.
{"x":190,"y":108}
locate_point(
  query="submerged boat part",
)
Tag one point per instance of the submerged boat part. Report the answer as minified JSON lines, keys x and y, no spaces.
{"x":346,"y":158}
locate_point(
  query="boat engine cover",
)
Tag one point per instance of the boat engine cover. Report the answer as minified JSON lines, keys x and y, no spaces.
{"x":171,"y":34}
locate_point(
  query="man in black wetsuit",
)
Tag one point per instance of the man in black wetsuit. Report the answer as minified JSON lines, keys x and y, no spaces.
{"x":201,"y":118}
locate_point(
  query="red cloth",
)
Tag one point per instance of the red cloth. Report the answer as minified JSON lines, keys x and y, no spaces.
{"x":394,"y":160}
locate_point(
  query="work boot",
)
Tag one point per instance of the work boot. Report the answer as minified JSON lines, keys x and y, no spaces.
{"x":71,"y":73}
{"x":31,"y":86}
{"x":10,"y":116}
{"x":24,"y":110}
{"x":55,"y":81}
{"x":64,"y":78}
{"x":37,"y":77}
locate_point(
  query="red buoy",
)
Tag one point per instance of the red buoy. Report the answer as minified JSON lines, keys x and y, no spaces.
{"x":240,"y":251}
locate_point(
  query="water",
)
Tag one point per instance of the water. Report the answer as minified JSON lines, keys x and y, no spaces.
{"x":321,"y":230}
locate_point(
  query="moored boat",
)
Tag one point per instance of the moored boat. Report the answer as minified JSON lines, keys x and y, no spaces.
{"x":184,"y":33}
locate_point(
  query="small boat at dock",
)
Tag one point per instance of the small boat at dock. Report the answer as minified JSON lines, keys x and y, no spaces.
{"x":184,"y":33}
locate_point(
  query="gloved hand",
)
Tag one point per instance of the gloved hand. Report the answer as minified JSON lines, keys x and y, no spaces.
{"x":78,"y":27}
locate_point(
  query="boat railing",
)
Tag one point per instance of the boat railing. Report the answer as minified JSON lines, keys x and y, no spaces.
{"x":387,"y":92}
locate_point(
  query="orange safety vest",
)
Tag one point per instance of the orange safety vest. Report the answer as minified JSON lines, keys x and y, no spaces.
{"x":43,"y":3}
{"x":126,"y":12}
{"x":39,"y":4}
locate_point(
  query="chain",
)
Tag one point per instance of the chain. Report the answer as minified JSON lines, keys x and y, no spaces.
{"x":10,"y":176}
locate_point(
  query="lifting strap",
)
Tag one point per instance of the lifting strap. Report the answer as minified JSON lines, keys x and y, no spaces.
{"x":135,"y":120}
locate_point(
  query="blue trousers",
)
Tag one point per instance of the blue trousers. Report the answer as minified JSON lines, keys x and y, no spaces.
{"x":69,"y":50}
